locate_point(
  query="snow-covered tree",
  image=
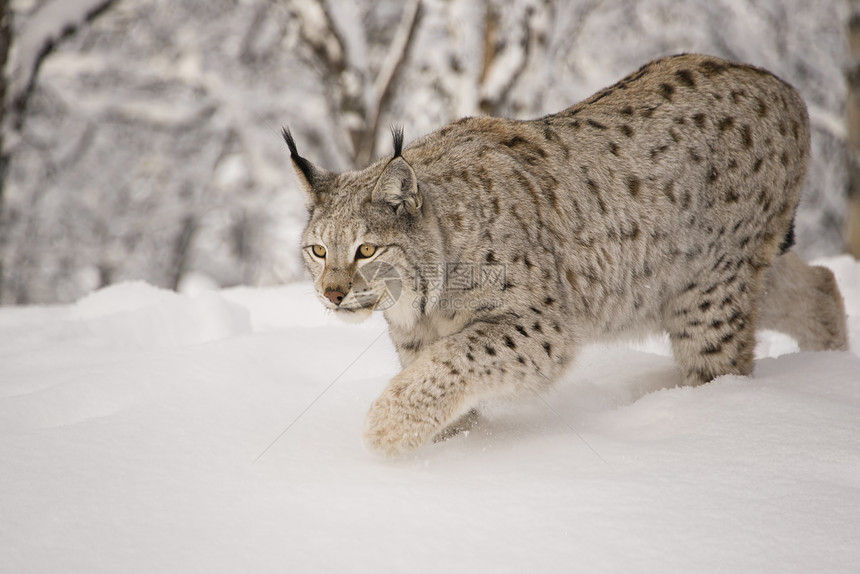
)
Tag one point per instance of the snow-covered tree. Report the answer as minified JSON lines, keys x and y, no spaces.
{"x":149,"y":143}
{"x":852,"y":215}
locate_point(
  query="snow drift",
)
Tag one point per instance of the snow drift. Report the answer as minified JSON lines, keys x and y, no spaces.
{"x":145,"y":431}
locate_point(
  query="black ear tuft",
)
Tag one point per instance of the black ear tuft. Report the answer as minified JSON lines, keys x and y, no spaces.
{"x":312,"y":178}
{"x":397,"y":134}
{"x":301,"y":163}
{"x":291,"y":143}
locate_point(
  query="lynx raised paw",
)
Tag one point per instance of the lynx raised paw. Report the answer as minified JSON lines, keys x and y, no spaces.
{"x":395,"y":424}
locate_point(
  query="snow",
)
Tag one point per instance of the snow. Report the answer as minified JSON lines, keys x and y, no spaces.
{"x":147,"y":431}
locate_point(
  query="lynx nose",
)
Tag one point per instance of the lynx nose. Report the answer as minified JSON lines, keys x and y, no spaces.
{"x":334,"y":296}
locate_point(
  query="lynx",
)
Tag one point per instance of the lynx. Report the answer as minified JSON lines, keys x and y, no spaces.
{"x":662,"y":203}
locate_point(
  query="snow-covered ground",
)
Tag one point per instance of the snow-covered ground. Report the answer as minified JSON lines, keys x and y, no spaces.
{"x":135,"y":426}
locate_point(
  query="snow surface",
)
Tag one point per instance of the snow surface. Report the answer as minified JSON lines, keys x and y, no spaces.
{"x":135,"y":426}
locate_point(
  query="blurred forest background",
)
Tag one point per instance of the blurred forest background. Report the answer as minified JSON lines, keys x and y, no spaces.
{"x":140,"y":139}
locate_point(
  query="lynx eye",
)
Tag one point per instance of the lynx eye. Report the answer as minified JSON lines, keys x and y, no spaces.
{"x":365,"y":250}
{"x":319,"y":251}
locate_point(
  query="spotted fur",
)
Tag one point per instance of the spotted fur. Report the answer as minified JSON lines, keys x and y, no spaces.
{"x":662,"y":203}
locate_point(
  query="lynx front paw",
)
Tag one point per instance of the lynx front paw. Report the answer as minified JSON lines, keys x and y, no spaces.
{"x":395,"y":424}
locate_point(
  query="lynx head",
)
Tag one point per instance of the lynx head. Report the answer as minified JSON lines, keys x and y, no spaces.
{"x":356,"y":243}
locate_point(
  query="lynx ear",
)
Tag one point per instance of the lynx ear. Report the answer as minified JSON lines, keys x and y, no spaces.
{"x":398,"y":185}
{"x":310,"y":176}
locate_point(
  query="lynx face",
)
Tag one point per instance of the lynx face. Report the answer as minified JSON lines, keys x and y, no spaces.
{"x":354,"y":270}
{"x":360,"y":242}
{"x":337,"y":270}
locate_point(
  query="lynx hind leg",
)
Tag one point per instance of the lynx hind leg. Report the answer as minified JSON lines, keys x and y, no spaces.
{"x":711,"y":324}
{"x":803,"y":301}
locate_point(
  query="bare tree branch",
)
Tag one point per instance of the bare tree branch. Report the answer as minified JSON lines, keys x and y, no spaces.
{"x":321,"y":35}
{"x":852,"y":218}
{"x":382,"y":86}
{"x":181,"y":250}
{"x":507,"y":55}
{"x":5,"y":40}
{"x":53,"y":22}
